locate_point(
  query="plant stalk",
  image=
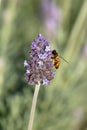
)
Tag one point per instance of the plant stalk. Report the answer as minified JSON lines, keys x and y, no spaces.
{"x":33,"y":107}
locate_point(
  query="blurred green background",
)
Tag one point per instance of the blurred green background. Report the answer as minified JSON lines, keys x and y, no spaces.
{"x":63,"y":104}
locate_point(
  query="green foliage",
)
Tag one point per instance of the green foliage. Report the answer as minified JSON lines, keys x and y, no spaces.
{"x":62,"y":105}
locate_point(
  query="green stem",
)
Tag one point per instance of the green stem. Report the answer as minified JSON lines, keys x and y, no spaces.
{"x":34,"y":101}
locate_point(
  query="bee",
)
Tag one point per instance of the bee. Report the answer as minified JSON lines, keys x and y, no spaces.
{"x":56,"y":58}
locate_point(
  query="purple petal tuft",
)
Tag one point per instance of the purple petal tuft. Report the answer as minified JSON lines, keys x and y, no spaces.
{"x":40,"y":66}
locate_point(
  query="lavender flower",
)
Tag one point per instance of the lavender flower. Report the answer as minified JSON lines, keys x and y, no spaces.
{"x":40,"y":65}
{"x":51,"y":16}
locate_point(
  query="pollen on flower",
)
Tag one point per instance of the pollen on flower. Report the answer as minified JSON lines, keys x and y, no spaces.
{"x":40,"y":66}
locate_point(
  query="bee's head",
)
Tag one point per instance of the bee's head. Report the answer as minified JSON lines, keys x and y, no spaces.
{"x":54,"y":52}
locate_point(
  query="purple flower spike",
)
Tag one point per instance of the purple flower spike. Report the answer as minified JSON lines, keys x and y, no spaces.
{"x":40,"y":66}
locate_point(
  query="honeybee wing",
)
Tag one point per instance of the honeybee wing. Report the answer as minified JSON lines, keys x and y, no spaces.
{"x":64,"y":59}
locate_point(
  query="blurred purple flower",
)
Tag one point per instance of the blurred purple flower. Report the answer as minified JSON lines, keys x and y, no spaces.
{"x":40,"y":65}
{"x":51,"y":15}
